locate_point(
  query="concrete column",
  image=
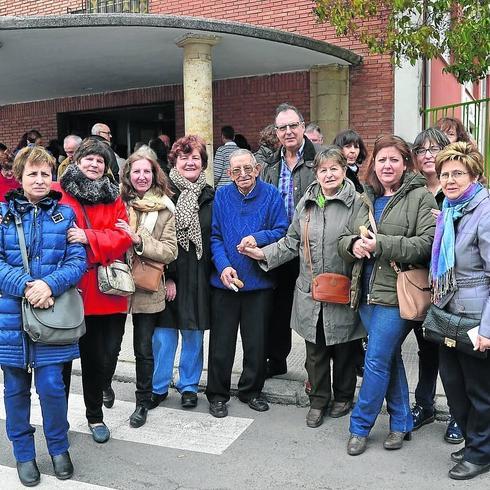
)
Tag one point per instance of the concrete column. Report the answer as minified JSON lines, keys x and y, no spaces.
{"x":198,"y":89}
{"x":329,"y":99}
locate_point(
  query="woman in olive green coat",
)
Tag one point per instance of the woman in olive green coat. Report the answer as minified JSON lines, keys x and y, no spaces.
{"x":329,"y":329}
{"x":401,"y":206}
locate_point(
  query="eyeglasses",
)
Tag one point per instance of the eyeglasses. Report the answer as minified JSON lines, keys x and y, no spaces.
{"x":247,"y":170}
{"x":455,"y":174}
{"x":106,"y":132}
{"x":292,"y":126}
{"x":433,"y":150}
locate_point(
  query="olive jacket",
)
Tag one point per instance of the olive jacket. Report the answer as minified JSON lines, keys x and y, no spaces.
{"x":340,"y":322}
{"x":405,"y":235}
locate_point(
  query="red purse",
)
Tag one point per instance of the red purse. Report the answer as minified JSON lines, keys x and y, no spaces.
{"x":328,"y":287}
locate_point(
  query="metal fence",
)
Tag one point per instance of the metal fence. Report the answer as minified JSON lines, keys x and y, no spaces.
{"x":475,"y":116}
{"x":111,"y":7}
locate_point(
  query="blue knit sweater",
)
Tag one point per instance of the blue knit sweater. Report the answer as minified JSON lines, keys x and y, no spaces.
{"x":261,"y":214}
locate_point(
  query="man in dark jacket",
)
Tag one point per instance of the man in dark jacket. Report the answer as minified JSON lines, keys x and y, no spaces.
{"x":291,"y":171}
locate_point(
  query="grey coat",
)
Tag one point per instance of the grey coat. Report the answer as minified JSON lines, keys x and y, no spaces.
{"x":340,"y":322}
{"x":472,"y":249}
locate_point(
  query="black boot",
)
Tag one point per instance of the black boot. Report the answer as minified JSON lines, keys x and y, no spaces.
{"x":138,"y":417}
{"x":62,"y":465}
{"x":28,"y":473}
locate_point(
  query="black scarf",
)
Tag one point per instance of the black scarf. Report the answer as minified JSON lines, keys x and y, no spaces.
{"x":87,"y":191}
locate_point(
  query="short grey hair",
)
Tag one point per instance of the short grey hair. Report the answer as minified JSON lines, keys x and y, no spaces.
{"x":97,"y":128}
{"x":74,"y":138}
{"x":312,"y":127}
{"x":243,"y":151}
{"x":285,"y":106}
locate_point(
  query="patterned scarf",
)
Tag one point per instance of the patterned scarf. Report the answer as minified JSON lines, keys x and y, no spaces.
{"x":88,"y":191}
{"x":187,"y":211}
{"x":149,"y":203}
{"x":442,"y":264}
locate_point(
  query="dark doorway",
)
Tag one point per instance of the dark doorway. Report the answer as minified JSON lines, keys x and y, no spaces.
{"x":129,"y":125}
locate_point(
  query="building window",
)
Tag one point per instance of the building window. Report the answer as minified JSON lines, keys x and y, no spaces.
{"x":111,"y":7}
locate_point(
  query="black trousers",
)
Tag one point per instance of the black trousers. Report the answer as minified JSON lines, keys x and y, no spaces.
{"x":425,"y":391}
{"x":279,"y":331}
{"x":99,"y":350}
{"x":250,"y":310}
{"x":318,"y":358}
{"x":466,"y":381}
{"x":144,"y":326}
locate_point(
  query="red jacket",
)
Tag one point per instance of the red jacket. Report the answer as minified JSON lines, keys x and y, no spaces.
{"x":7,"y":185}
{"x":106,"y":244}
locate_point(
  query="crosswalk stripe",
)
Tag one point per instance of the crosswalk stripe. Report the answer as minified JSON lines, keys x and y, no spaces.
{"x":165,"y":427}
{"x":10,"y":481}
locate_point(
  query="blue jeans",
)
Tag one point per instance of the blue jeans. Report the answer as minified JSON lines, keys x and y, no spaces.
{"x":384,"y":373}
{"x":191,"y":359}
{"x":54,"y":406}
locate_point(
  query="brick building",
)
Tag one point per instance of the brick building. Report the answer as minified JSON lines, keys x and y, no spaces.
{"x":286,"y":56}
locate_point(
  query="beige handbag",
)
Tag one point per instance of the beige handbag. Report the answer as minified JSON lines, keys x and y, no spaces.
{"x":413,"y":291}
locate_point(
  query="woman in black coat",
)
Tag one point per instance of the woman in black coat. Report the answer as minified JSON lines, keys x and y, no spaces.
{"x":187,"y":278}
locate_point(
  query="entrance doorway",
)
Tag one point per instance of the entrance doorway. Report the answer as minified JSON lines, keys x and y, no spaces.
{"x":129,"y":125}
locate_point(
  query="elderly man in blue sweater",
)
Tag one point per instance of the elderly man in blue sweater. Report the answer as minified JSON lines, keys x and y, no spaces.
{"x":247,"y":212}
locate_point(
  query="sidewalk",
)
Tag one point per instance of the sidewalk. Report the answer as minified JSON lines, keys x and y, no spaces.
{"x":287,"y":389}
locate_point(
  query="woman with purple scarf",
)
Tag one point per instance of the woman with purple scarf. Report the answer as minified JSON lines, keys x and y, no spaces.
{"x":460,"y":272}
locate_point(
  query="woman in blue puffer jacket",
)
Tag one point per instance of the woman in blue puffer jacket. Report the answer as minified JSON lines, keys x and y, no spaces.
{"x":55,"y":266}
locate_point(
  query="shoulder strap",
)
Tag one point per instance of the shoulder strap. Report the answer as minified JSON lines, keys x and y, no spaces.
{"x":372,"y":221}
{"x":22,"y":243}
{"x":87,"y":221}
{"x":307,"y":243}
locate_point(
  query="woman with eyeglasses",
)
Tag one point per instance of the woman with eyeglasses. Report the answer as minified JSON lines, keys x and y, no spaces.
{"x":426,"y":147}
{"x":460,"y":273}
{"x":401,"y":230}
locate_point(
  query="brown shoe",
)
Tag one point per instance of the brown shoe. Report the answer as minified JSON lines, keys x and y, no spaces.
{"x":394,"y":440}
{"x":356,"y":445}
{"x":339,"y":409}
{"x":314,"y":418}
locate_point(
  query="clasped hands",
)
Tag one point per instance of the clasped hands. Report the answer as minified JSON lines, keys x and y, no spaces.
{"x":39,"y":294}
{"x":248,"y":247}
{"x":364,"y":246}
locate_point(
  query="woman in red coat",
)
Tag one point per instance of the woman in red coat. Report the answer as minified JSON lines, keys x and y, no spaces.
{"x":94,"y":196}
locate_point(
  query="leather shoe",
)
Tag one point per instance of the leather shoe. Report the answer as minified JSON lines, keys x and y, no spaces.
{"x":189,"y":399}
{"x":314,"y":418}
{"x":28,"y":473}
{"x":394,"y":440}
{"x":421,"y":416}
{"x":339,"y":409}
{"x":458,"y":456}
{"x":108,"y":397}
{"x":155,"y":400}
{"x":138,"y":417}
{"x":62,"y":465}
{"x":100,"y":432}
{"x":356,"y":445}
{"x":453,"y":433}
{"x":466,"y":470}
{"x":259,"y":404}
{"x":218,"y":409}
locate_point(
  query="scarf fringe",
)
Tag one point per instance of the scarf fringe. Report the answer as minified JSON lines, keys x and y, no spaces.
{"x":443,"y":285}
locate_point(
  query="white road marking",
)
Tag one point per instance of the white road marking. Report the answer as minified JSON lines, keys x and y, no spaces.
{"x":165,"y":427}
{"x":10,"y":481}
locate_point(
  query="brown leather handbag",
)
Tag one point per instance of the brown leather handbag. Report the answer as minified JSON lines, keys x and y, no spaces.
{"x":328,"y":287}
{"x":147,"y":274}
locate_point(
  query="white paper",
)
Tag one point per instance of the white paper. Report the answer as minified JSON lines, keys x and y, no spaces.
{"x":473,"y":334}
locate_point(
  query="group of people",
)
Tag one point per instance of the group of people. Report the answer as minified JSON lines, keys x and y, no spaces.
{"x":234,"y":256}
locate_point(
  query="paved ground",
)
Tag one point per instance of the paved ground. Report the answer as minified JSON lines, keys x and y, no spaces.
{"x":287,"y":389}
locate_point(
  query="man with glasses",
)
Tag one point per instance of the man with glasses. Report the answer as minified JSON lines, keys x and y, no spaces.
{"x":103,"y":133}
{"x":290,"y":170}
{"x":70,"y":145}
{"x":246,"y":213}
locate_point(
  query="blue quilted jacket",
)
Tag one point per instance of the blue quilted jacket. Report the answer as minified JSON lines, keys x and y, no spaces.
{"x":51,"y":258}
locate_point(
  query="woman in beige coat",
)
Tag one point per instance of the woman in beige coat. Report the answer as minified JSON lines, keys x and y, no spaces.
{"x":144,"y":189}
{"x":329,"y":329}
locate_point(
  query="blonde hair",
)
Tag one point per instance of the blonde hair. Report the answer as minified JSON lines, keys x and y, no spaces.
{"x":464,"y":152}
{"x":36,"y":155}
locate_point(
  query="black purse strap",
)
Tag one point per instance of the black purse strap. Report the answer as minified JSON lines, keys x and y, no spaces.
{"x":22,"y":243}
